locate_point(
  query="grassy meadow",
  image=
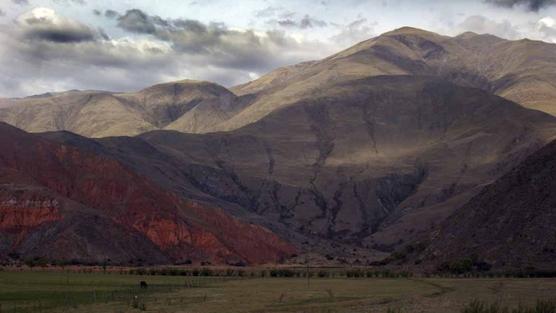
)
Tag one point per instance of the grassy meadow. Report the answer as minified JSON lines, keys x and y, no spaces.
{"x":42,"y":291}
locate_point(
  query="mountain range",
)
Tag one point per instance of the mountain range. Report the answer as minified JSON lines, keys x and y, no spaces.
{"x":407,"y":136}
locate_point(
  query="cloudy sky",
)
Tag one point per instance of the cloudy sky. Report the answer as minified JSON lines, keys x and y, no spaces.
{"x":56,"y":45}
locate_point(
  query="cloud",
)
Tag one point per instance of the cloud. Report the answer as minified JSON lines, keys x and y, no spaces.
{"x":111,"y":14}
{"x":2,"y":13}
{"x":274,"y":12}
{"x":79,"y":2}
{"x":216,"y":44}
{"x":304,"y":23}
{"x":356,"y":31}
{"x":533,"y":5}
{"x":45,"y":24}
{"x":108,"y":13}
{"x":482,"y":25}
{"x":137,"y":21}
{"x":268,"y":11}
{"x":21,"y":2}
{"x":546,"y":27}
{"x":42,"y":51}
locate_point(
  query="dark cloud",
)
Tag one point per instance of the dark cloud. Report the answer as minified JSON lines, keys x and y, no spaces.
{"x":42,"y":51}
{"x":533,"y":5}
{"x":137,"y":21}
{"x":215,"y":41}
{"x":111,"y":14}
{"x":306,"y":22}
{"x":287,"y":23}
{"x":44,"y":24}
{"x":60,"y":35}
{"x":108,"y":13}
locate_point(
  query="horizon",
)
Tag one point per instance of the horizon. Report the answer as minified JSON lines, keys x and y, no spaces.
{"x":128,"y":46}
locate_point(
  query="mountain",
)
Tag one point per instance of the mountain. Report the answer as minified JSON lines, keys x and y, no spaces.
{"x":190,"y":106}
{"x":62,"y":203}
{"x":365,"y":166}
{"x":349,"y":157}
{"x":510,"y":223}
{"x":370,"y":161}
{"x":522,"y":71}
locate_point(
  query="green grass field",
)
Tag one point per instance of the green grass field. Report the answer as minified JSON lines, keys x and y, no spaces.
{"x":114,"y":293}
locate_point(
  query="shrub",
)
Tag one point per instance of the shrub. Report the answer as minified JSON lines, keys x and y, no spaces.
{"x":281,"y":273}
{"x":355,"y":274}
{"x":206,"y":272}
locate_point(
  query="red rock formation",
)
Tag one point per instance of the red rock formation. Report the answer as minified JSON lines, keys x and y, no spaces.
{"x":179,"y":228}
{"x":21,"y":218}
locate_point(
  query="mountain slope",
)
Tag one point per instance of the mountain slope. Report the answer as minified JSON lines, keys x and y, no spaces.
{"x":510,"y":223}
{"x":185,"y":105}
{"x":369,"y":163}
{"x":522,"y":71}
{"x":61,"y":203}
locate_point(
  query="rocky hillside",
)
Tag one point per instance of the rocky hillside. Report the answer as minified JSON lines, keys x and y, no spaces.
{"x":510,"y":223}
{"x":62,"y":203}
{"x":368,"y":165}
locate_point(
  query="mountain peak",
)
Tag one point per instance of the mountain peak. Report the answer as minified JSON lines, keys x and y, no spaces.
{"x":467,"y":35}
{"x":407,"y":30}
{"x":472,"y":35}
{"x":187,"y":85}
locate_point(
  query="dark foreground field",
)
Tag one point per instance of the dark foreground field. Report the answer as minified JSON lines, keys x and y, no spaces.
{"x":97,"y":292}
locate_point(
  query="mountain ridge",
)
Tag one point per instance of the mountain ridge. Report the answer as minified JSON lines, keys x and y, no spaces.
{"x":521,"y":71}
{"x":368,"y":165}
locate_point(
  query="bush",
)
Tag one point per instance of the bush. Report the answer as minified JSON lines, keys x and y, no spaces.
{"x":36,"y":262}
{"x":281,"y":273}
{"x":206,"y":272}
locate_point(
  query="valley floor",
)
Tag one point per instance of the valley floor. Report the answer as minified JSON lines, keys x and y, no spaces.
{"x":96,"y":292}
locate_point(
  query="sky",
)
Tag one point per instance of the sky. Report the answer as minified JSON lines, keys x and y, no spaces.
{"x":126,"y":45}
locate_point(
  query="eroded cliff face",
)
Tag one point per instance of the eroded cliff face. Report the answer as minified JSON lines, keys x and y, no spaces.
{"x":181,"y":229}
{"x":17,"y":215}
